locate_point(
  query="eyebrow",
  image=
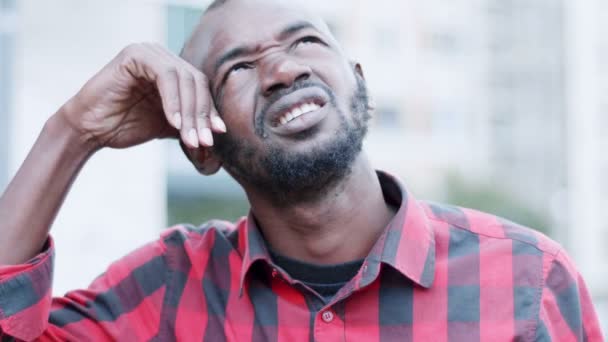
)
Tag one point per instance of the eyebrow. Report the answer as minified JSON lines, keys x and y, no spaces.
{"x":240,"y":51}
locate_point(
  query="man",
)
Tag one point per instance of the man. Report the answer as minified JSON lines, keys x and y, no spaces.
{"x":332,"y":250}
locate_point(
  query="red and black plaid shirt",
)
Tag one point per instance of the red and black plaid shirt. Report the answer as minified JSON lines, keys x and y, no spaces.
{"x":438,"y":273}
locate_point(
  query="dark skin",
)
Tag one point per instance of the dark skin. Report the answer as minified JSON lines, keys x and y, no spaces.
{"x":146,"y":86}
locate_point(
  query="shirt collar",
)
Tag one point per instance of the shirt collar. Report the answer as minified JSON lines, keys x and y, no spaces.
{"x":407,"y":244}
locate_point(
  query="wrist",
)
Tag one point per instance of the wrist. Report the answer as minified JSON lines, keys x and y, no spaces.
{"x":62,"y":127}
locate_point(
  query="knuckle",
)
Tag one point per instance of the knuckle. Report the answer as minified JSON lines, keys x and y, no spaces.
{"x":187,"y":122}
{"x":172,"y":100}
{"x":153,"y":45}
{"x":200,"y":78}
{"x":130,"y":53}
{"x":168,"y":75}
{"x":203,"y":105}
{"x":187,"y":77}
{"x":203,"y":78}
{"x":131,"y":49}
{"x":202,"y":122}
{"x":170,"y":71}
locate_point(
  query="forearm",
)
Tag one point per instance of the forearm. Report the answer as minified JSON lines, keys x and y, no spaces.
{"x":33,"y":198}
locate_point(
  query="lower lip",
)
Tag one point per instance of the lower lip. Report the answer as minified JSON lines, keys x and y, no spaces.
{"x":301,"y":123}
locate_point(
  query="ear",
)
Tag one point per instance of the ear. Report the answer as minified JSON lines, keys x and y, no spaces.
{"x":358,"y":68}
{"x":204,"y":160}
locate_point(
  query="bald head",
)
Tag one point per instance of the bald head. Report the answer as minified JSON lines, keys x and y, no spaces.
{"x":225,"y":21}
{"x":215,"y":4}
{"x":295,"y":107}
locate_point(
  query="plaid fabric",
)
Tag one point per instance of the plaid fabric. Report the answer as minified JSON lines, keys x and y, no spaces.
{"x":438,"y":273}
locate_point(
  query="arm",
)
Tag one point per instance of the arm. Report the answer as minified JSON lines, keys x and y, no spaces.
{"x":144,"y":93}
{"x":124,"y":303}
{"x":33,"y":198}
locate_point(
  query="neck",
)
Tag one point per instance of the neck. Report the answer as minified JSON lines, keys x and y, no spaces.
{"x":341,"y":226}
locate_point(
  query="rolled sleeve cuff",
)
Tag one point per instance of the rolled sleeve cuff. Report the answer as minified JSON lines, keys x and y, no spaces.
{"x":25,"y":295}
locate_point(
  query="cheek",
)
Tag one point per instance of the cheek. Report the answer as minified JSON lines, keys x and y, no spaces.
{"x":238,"y":107}
{"x":334,"y":71}
{"x":239,"y":88}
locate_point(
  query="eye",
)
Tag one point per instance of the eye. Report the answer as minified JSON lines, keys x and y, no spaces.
{"x":240,"y":67}
{"x":307,"y":41}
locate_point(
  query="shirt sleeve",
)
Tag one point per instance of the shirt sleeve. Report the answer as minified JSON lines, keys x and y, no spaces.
{"x":25,"y":295}
{"x":566,"y":309}
{"x":124,"y":301}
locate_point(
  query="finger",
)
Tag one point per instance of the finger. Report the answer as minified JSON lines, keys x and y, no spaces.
{"x":143,"y":61}
{"x":217,"y":124}
{"x":167,"y":83}
{"x":168,"y":131}
{"x":202,"y":110}
{"x":204,"y":130}
{"x":187,"y":96}
{"x":204,"y":102}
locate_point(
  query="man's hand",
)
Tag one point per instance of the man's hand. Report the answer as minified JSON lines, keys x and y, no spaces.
{"x":145,"y":92}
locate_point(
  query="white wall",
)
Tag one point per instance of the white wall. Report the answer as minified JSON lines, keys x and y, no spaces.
{"x":118,"y":202}
{"x":587,"y":229}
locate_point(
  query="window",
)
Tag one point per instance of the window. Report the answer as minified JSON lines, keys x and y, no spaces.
{"x":180,"y":23}
{"x":7,"y":25}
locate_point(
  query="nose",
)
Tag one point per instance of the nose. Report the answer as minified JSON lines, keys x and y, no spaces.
{"x":282,"y":73}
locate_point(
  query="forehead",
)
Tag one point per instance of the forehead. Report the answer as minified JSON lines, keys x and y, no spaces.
{"x":252,"y":23}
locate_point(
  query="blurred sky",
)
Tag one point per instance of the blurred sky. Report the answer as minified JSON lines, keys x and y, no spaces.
{"x":498,"y":105}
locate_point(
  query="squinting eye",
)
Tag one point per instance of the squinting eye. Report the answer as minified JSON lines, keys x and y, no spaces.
{"x":309,"y":40}
{"x":240,"y":67}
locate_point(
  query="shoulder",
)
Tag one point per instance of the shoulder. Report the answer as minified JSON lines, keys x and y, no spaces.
{"x":489,"y":228}
{"x":190,"y":247}
{"x":210,"y":231}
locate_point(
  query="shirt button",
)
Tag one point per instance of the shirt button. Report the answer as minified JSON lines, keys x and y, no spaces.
{"x":365,"y":268}
{"x":327,"y":316}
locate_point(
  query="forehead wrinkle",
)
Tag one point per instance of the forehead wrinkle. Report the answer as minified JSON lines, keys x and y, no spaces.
{"x":221,"y":33}
{"x":240,"y":49}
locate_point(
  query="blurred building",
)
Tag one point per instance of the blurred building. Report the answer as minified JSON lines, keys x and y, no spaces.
{"x":426,"y":69}
{"x":7,"y":32}
{"x":586,"y":127}
{"x":527,"y":104}
{"x":49,"y":49}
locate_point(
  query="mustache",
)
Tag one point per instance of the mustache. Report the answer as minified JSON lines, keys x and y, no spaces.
{"x":280,"y":93}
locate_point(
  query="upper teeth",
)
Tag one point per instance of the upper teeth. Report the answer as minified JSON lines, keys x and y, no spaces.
{"x":299,"y":110}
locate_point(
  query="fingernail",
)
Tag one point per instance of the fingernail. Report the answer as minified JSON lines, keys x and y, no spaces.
{"x":177,"y":120}
{"x":206,"y":136}
{"x":192,"y":139}
{"x":218,"y":124}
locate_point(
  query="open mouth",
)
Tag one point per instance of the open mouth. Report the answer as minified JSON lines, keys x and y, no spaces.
{"x":296,"y":110}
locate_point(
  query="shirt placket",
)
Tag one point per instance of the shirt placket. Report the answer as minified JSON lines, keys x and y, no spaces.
{"x":329,"y":325}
